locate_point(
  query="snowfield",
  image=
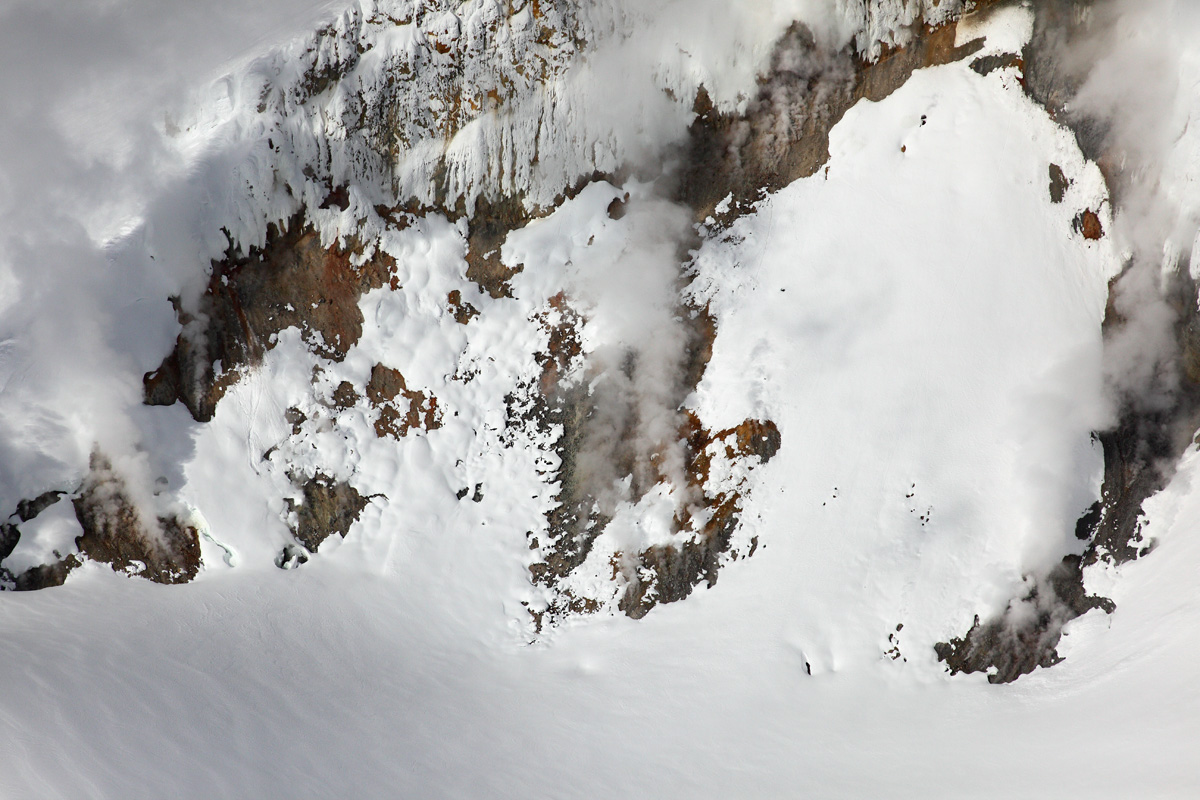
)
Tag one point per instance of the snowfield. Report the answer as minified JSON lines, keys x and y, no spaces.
{"x":920,"y":319}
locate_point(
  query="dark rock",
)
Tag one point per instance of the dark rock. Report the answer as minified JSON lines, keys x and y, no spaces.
{"x":1058,"y":184}
{"x":463,"y":311}
{"x":10,"y":536}
{"x":329,"y":506}
{"x":1026,"y":636}
{"x":986,"y":65}
{"x":616,"y":209}
{"x":114,"y":531}
{"x":46,"y":576}
{"x":491,"y":223}
{"x":296,"y":418}
{"x":1088,"y":223}
{"x":421,"y":408}
{"x":784,"y":133}
{"x":28,"y":509}
{"x":344,"y":396}
{"x":291,"y":557}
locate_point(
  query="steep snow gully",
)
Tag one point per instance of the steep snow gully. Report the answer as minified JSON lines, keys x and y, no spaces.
{"x":528,"y":398}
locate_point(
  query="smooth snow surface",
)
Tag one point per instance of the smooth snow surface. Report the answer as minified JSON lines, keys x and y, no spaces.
{"x":923,"y":325}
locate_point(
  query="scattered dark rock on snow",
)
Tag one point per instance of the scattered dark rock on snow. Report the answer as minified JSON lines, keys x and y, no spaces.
{"x":782,"y":136}
{"x":560,"y":401}
{"x":668,"y":573}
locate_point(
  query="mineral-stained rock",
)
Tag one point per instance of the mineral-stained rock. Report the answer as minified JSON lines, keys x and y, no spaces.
{"x":487,"y":229}
{"x":1088,"y":223}
{"x":292,"y":281}
{"x":782,"y":135}
{"x":115,"y":532}
{"x":420,"y":410}
{"x":669,"y":573}
{"x":463,"y":311}
{"x":561,"y":403}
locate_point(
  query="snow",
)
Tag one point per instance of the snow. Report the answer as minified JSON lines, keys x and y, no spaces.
{"x":920,"y":321}
{"x":844,"y":322}
{"x":47,"y":537}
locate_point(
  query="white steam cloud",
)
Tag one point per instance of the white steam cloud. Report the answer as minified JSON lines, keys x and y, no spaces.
{"x":85,"y":161}
{"x":1143,"y":74}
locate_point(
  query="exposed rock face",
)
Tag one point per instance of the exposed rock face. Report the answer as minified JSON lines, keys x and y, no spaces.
{"x":784,"y":134}
{"x":463,"y":311}
{"x":420,"y":410}
{"x":668,"y":574}
{"x":564,"y":402}
{"x":293,"y":281}
{"x":488,"y":227}
{"x":329,"y":506}
{"x":10,"y":535}
{"x":557,"y":402}
{"x":1027,"y":634}
{"x":165,"y":550}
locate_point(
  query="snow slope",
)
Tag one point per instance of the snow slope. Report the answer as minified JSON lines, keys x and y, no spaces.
{"x":921,"y":322}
